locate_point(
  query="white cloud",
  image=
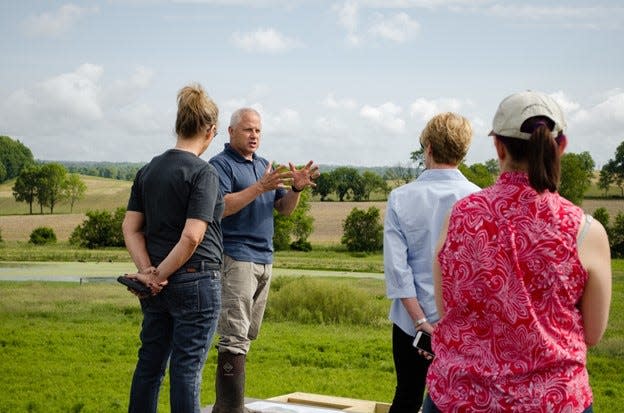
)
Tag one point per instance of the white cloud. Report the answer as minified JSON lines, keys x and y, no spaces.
{"x":126,"y":91}
{"x":332,"y":103}
{"x":568,"y":106}
{"x":385,"y":116}
{"x":424,"y":109}
{"x":597,"y":129}
{"x":75,"y":113}
{"x":398,"y":28}
{"x":264,"y":41}
{"x":348,"y":18}
{"x":58,"y":21}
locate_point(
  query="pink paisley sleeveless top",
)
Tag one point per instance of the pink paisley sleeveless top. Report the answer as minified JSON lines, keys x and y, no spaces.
{"x":512,"y":336}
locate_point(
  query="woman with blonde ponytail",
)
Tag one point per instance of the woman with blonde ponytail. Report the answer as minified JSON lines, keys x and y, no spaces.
{"x":172,"y":230}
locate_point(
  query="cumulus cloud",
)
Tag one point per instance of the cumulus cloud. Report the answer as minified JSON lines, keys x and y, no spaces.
{"x":385,"y":116}
{"x":398,"y":28}
{"x":264,"y":41}
{"x":57,"y":22}
{"x":125,"y":91}
{"x":597,"y":128}
{"x":78,"y":113}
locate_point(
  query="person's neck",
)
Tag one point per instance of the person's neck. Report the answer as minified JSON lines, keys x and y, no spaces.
{"x":435,"y":165}
{"x":194,"y":146}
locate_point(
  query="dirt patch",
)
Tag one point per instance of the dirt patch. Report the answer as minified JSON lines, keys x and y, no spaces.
{"x":19,"y":227}
{"x":329,"y":216}
{"x":328,"y":219}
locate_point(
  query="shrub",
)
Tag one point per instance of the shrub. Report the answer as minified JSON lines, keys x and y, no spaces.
{"x":100,"y":229}
{"x":298,"y":225}
{"x":42,"y":236}
{"x":363,"y":230}
{"x":320,"y":301}
{"x":617,"y":236}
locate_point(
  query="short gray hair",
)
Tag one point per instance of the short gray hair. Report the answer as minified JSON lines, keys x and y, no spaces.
{"x":238,"y":114}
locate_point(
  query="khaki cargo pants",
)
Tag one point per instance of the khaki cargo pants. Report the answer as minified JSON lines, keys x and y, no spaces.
{"x":244,"y":293}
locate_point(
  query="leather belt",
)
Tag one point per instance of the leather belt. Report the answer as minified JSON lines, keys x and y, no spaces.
{"x":198,"y":266}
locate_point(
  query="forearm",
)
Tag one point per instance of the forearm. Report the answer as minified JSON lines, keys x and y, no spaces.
{"x":190,"y":239}
{"x":181,"y":252}
{"x":236,"y":201}
{"x":287,"y":204}
{"x":137,"y":249}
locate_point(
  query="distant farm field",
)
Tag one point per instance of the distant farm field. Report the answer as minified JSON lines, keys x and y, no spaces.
{"x":16,"y":224}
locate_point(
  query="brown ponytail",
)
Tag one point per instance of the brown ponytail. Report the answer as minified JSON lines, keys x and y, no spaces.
{"x":544,"y":160}
{"x":541,"y":152}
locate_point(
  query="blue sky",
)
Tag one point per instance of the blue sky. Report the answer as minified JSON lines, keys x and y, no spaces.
{"x":339,"y":82}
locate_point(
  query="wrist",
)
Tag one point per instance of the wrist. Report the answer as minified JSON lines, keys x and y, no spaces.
{"x":294,"y":189}
{"x":420,"y":322}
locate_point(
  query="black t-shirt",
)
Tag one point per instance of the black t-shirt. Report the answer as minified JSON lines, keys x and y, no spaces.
{"x":173,"y":187}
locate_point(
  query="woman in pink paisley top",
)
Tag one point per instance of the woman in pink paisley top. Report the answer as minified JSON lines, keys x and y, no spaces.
{"x":523,"y":280}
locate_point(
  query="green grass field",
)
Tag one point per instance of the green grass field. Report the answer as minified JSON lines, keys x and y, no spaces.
{"x":67,"y":347}
{"x":72,"y":348}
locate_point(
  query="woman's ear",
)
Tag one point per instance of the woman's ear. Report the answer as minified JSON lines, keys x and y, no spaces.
{"x":501,"y":151}
{"x":563,"y":142}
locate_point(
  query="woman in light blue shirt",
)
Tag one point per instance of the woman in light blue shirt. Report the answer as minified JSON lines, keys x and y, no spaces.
{"x":413,"y":221}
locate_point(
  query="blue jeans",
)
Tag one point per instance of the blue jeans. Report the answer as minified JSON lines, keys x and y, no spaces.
{"x":430,"y":407}
{"x":178,"y":326}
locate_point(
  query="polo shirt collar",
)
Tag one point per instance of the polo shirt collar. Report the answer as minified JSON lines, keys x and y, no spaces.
{"x":237,"y":156}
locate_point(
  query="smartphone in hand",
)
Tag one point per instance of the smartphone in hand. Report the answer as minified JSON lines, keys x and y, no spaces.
{"x":134,"y":285}
{"x":423,"y":342}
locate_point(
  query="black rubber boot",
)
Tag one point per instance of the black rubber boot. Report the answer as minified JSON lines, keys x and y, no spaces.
{"x":230,"y":384}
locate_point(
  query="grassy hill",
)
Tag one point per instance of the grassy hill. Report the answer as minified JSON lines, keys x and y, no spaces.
{"x":102,"y":193}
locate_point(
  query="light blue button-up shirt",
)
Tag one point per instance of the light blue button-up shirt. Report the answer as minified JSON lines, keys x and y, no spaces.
{"x":412,"y":225}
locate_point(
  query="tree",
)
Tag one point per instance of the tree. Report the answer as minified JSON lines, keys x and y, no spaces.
{"x":363,"y":230}
{"x":53,"y":176}
{"x":73,"y":189}
{"x":615,"y":168}
{"x":345,"y":179}
{"x":577,"y":171}
{"x":373,"y":182}
{"x":400,"y":174}
{"x":27,"y":185}
{"x":478,"y":173}
{"x":493,"y":166}
{"x":606,"y":179}
{"x":418,"y":157}
{"x":100,"y":229}
{"x":325,"y":185}
{"x":14,"y":156}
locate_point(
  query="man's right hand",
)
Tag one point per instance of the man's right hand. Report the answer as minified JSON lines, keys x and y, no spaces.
{"x":275,"y":178}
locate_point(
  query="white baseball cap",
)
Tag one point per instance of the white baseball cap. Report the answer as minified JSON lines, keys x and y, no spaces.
{"x":517,"y":108}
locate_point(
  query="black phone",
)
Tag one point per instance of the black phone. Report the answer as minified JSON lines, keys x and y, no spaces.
{"x":423,"y":342}
{"x":134,"y":285}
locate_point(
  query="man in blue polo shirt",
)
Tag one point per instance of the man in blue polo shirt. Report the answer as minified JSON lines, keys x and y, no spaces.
{"x":251,"y":189}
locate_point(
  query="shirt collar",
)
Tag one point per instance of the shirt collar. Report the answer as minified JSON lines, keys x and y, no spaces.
{"x":235,"y":155}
